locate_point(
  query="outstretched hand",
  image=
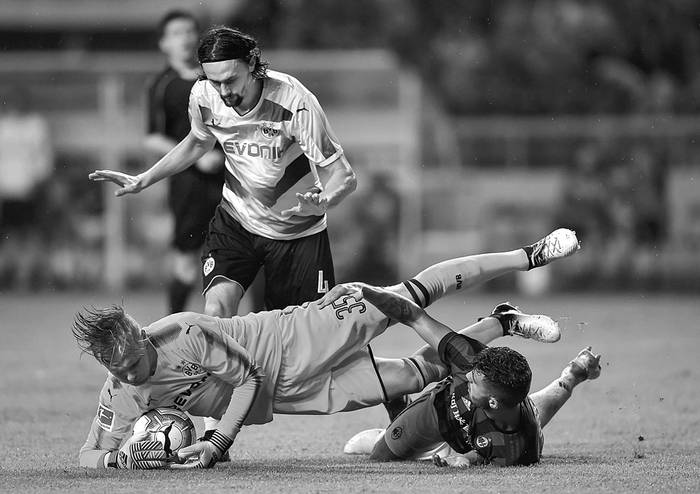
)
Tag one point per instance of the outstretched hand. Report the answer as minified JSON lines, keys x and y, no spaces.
{"x":130,"y":184}
{"x":310,"y":204}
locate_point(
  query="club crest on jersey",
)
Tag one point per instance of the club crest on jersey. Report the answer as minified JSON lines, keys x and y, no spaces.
{"x":105,"y":417}
{"x":209,"y":264}
{"x":191,"y":369}
{"x":267,"y":130}
{"x":396,"y":432}
{"x":482,"y":441}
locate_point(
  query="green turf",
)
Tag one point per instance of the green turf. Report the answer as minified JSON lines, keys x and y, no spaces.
{"x":633,"y":430}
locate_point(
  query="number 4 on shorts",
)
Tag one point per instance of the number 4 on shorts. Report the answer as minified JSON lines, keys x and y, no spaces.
{"x":322,"y":284}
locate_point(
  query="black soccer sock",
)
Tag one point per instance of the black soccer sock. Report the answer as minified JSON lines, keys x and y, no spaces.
{"x":178,"y":292}
{"x":506,"y":321}
{"x":528,"y":251}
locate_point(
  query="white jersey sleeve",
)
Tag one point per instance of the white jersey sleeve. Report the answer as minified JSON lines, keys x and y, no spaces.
{"x":119,"y":406}
{"x":220,"y":354}
{"x":199,"y":114}
{"x":313,"y":132}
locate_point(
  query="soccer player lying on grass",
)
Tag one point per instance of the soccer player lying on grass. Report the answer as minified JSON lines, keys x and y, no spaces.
{"x":309,"y":359}
{"x":481,"y":413}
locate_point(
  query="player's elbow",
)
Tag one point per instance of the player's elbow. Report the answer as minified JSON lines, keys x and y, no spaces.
{"x":351,"y":181}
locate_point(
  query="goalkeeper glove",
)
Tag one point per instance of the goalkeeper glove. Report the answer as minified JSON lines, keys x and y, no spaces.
{"x":142,"y":453}
{"x":206,"y":452}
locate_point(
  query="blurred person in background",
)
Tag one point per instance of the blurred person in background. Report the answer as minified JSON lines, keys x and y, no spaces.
{"x":26,"y":162}
{"x":194,"y":193}
{"x":284,"y":169}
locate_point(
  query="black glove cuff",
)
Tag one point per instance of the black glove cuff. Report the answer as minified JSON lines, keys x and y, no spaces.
{"x":220,"y":441}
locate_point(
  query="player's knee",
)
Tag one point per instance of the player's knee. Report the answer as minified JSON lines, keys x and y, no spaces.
{"x":381,"y":452}
{"x":221,"y":299}
{"x":218,"y":308}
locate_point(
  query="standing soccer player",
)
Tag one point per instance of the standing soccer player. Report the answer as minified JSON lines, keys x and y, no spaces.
{"x":194,"y":193}
{"x":284,"y":169}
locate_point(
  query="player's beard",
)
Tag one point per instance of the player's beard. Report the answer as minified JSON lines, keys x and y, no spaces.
{"x":233,"y":101}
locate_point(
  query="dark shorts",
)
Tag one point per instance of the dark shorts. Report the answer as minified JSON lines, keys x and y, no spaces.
{"x":192,"y":198}
{"x":296,"y":271}
{"x":416,"y":430}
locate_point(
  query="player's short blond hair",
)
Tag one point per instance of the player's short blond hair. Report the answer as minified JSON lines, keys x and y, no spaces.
{"x":106,"y":333}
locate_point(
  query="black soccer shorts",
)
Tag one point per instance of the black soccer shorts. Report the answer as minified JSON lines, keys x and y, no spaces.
{"x":296,"y":271}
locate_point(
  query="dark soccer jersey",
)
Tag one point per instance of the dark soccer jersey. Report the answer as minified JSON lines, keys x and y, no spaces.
{"x":168,"y":98}
{"x":466,"y":427}
{"x":168,"y":114}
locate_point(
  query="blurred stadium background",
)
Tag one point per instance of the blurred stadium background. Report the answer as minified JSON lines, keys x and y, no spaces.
{"x":472,"y":126}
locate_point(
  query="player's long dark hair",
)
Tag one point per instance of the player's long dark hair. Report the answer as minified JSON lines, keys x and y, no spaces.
{"x":225,"y":43}
{"x":105,"y":332}
{"x":508,"y":371}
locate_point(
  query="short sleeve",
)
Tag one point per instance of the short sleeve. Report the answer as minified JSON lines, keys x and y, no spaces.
{"x":313,"y":132}
{"x":459,"y":351}
{"x":198,"y":112}
{"x":116,"y":411}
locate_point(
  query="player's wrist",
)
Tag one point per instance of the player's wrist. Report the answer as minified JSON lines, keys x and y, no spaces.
{"x":220,"y":441}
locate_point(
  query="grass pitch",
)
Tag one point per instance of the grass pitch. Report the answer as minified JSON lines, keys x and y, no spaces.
{"x":636,"y":429}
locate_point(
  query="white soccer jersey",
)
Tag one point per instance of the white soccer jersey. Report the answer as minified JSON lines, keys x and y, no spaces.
{"x":271,"y":153}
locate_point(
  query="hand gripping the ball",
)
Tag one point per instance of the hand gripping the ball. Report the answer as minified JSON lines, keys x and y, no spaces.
{"x":204,"y":453}
{"x":142,"y":453}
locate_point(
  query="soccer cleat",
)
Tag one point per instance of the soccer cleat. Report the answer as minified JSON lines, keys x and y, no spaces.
{"x":396,"y":406}
{"x":586,"y":365}
{"x":363,"y":442}
{"x":532,"y":326}
{"x":557,"y":245}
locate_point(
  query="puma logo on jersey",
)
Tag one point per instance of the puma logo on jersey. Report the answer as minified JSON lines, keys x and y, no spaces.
{"x":111,"y":396}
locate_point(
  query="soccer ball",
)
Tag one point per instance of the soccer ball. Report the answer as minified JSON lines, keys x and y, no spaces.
{"x":169,"y":426}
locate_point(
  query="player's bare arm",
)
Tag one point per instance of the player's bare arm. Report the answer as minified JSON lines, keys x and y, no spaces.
{"x":160,"y":144}
{"x":405,"y":311}
{"x":187,"y":151}
{"x":338,"y":180}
